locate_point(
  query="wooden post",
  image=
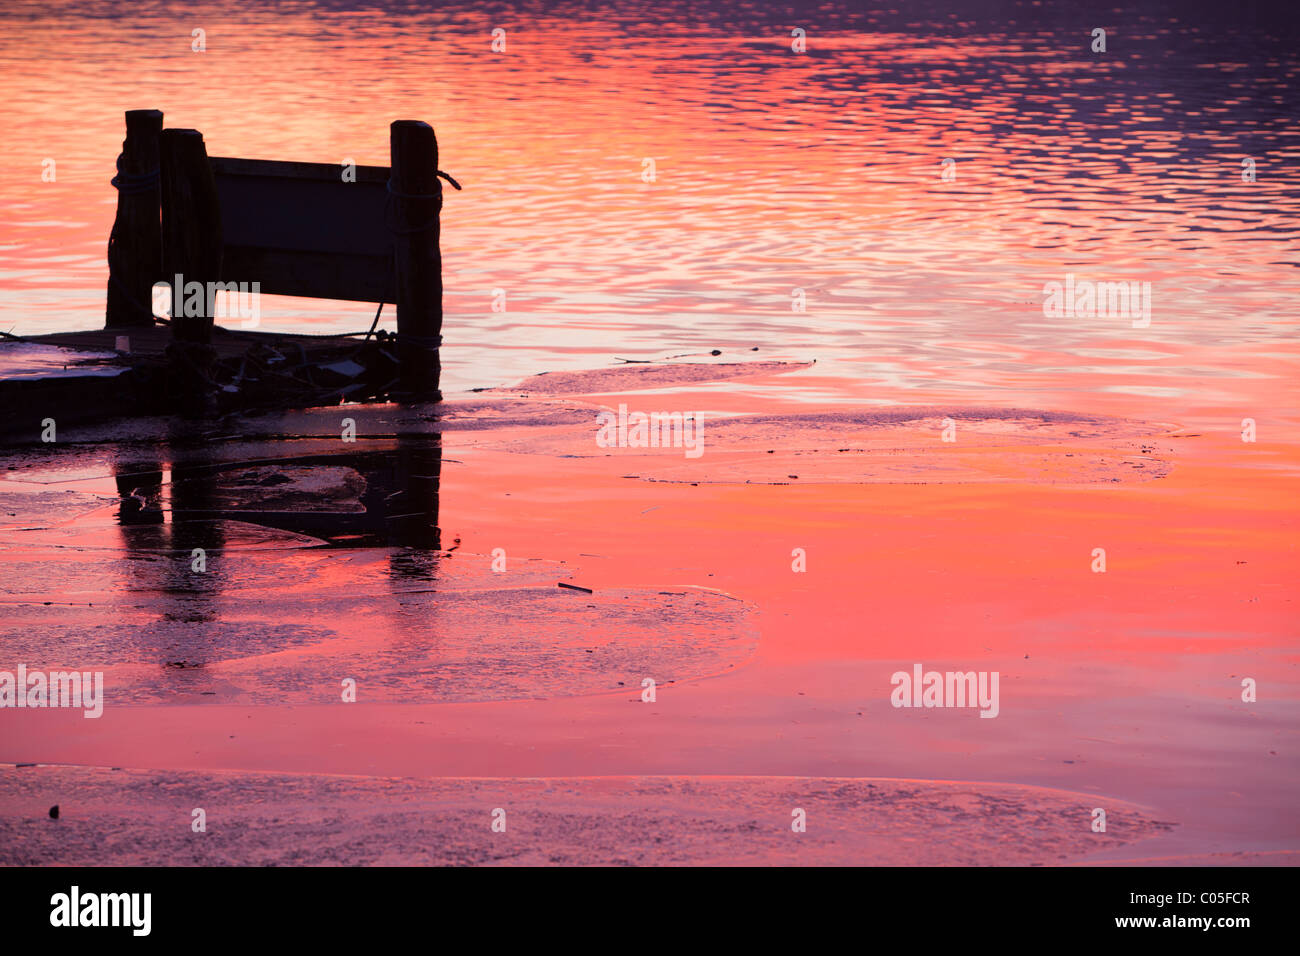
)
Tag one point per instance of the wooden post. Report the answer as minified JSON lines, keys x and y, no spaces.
{"x":417,"y":202}
{"x":191,"y":228}
{"x":135,"y":246}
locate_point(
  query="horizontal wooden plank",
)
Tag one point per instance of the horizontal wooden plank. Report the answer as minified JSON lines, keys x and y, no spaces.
{"x":305,"y":214}
{"x":318,"y":275}
{"x":151,"y":343}
{"x":281,"y":169}
{"x":298,"y":229}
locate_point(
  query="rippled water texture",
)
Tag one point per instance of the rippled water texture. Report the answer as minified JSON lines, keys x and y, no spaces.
{"x":774,"y":171}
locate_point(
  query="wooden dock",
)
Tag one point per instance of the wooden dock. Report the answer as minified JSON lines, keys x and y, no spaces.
{"x":195,"y":226}
{"x":250,"y":370}
{"x":148,"y":344}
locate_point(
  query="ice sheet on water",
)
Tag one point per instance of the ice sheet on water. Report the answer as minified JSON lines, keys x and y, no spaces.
{"x":312,"y":819}
{"x":181,"y":637}
{"x":636,"y":375}
{"x":887,"y":445}
{"x":32,"y":360}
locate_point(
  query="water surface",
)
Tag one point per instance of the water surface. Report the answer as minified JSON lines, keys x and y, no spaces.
{"x":775,"y":171}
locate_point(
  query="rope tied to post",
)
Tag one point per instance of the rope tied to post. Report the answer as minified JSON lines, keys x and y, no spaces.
{"x":394,"y":193}
{"x":134,"y":183}
{"x":417,"y":341}
{"x":438,"y":194}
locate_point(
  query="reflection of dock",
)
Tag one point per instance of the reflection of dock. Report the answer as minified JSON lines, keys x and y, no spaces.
{"x":386,"y":497}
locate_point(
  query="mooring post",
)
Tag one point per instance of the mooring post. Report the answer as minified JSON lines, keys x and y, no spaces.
{"x":135,"y":244}
{"x":417,"y":202}
{"x":191,"y":229}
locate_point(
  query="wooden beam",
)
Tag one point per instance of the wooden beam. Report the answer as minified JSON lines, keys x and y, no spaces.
{"x":416,"y":203}
{"x":135,"y":244}
{"x":289,"y":169}
{"x":191,"y":224}
{"x":300,"y":229}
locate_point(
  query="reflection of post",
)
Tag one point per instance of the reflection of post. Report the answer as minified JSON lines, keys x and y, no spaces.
{"x":140,"y":519}
{"x":140,"y":487}
{"x":135,"y":244}
{"x":184,"y":582}
{"x":417,"y":201}
{"x":413,"y":510}
{"x":196,"y":543}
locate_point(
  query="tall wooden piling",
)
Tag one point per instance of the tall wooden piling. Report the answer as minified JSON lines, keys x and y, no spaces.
{"x":417,"y":202}
{"x":192,"y":241}
{"x":135,"y":245}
